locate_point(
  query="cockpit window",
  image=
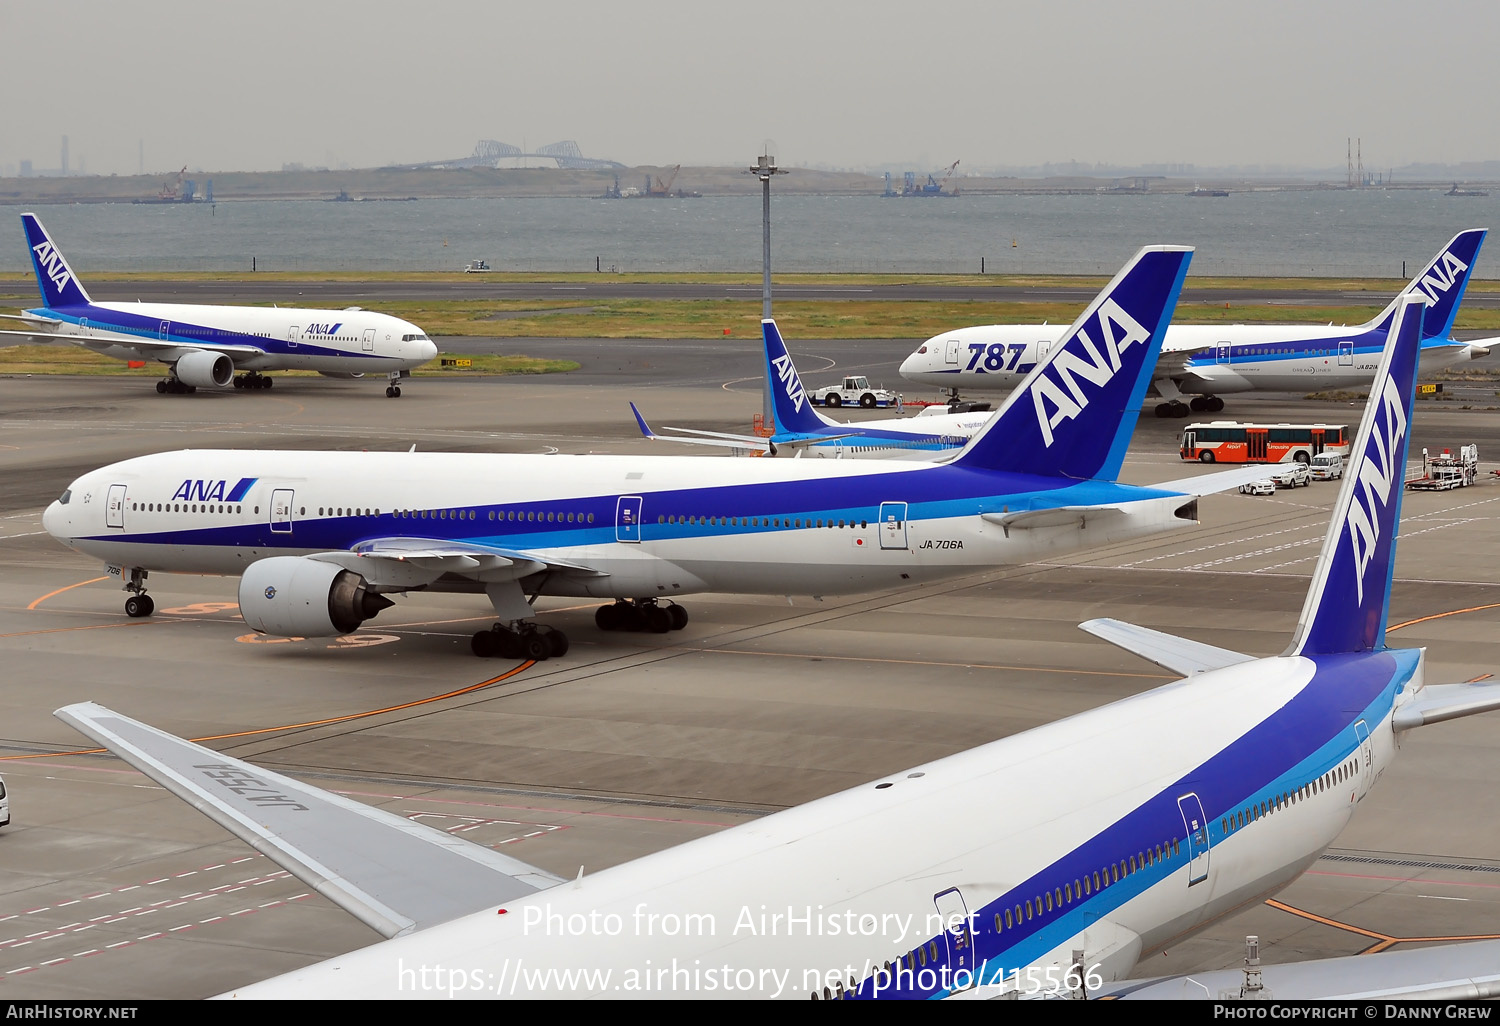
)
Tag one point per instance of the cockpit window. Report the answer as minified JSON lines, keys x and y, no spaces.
{"x":414,"y":338}
{"x":66,"y":495}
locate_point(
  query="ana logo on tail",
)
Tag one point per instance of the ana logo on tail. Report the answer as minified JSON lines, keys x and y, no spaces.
{"x":1440,"y":277}
{"x":1058,"y":386}
{"x":1376,"y":479}
{"x":51,"y":263}
{"x":790,"y":383}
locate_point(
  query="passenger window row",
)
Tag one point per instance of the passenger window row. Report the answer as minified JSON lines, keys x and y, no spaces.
{"x":783,"y":522}
{"x":1238,"y":820}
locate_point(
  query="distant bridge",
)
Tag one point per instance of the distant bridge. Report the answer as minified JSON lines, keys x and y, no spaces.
{"x":489,"y":153}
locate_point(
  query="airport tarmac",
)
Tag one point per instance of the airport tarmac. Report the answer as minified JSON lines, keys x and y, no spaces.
{"x":112,"y":888}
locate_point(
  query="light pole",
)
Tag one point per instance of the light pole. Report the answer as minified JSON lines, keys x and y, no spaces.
{"x":764,"y":168}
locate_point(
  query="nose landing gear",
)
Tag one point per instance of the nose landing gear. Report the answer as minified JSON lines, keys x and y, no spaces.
{"x":139,"y":604}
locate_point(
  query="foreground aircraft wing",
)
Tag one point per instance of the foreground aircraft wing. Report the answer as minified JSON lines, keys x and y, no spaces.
{"x":394,"y":875}
{"x":754,"y":443}
{"x":393,"y":564}
{"x":1444,"y":972}
{"x":1180,"y":655}
{"x":145,"y":346}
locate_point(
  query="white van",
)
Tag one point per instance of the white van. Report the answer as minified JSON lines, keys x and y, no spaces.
{"x":1326,"y":466}
{"x":4,"y":805}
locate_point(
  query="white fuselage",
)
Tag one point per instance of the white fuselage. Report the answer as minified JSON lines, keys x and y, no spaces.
{"x":1197,"y":359}
{"x":994,"y":866}
{"x":649,"y":525}
{"x":337,"y":342}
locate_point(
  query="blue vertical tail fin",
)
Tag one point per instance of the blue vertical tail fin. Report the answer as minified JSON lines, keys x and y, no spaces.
{"x":1074,"y":413}
{"x":1350,"y":595}
{"x":1442,"y":282}
{"x":59,"y":285}
{"x":790,"y":403}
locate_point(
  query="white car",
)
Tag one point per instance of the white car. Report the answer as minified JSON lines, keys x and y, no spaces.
{"x":1265,"y":486}
{"x":1293,"y":475}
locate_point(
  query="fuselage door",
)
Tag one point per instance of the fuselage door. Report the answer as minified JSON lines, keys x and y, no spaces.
{"x":1346,"y":354}
{"x":165,"y":331}
{"x":950,"y":353}
{"x":292,"y":335}
{"x":1366,"y":760}
{"x":281,"y":511}
{"x":1196,"y":824}
{"x":1223,"y":353}
{"x":958,"y":931}
{"x":628,"y":519}
{"x":114,"y":507}
{"x":893,"y":525}
{"x":369,"y":344}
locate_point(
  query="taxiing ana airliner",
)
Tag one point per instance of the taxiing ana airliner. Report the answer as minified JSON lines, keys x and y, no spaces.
{"x":204,"y":346}
{"x":1206,"y":361}
{"x":1048,"y":863}
{"x":321,"y":539}
{"x":800,"y":430}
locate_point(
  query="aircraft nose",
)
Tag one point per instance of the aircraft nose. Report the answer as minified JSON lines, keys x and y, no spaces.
{"x":426,"y":350}
{"x":53,"y":519}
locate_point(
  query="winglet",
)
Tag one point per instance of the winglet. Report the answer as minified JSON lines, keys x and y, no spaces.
{"x":1074,"y":413}
{"x":1347,"y":605}
{"x":645,"y":430}
{"x":1442,"y":282}
{"x":789,"y":400}
{"x":59,"y":285}
{"x":391,"y":873}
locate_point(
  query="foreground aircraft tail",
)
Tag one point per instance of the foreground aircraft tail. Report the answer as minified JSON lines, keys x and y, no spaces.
{"x":789,"y":400}
{"x":1442,"y":283}
{"x":59,"y":285}
{"x":1074,"y":413}
{"x":1351,"y":587}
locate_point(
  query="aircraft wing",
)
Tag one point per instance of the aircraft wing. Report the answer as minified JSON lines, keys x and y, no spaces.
{"x":1438,"y":702}
{"x":398,"y":563}
{"x":145,"y":346}
{"x":1180,"y":655}
{"x":755,"y":443}
{"x":394,"y":875}
{"x":1444,"y":972}
{"x":1219,"y":481}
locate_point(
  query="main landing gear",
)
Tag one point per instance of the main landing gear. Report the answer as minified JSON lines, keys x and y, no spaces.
{"x":139,"y":604}
{"x":641,"y":615}
{"x":525,"y":641}
{"x":171,"y":386}
{"x":253,"y":379}
{"x":1199,"y":404}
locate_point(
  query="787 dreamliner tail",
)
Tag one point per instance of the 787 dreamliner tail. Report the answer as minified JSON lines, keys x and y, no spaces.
{"x":1046,"y":863}
{"x":321,"y":540}
{"x":203,"y":346}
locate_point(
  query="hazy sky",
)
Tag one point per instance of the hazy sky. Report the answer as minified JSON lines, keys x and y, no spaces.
{"x":254,"y":84}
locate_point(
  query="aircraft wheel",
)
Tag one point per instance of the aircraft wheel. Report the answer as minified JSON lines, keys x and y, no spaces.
{"x":266,"y":382}
{"x":1200,"y":404}
{"x":482,"y":644}
{"x":1163,"y":410}
{"x":679,"y":616}
{"x":1215,"y":404}
{"x":867,"y":401}
{"x":239,"y":382}
{"x":394,"y":392}
{"x":1205,"y":457}
{"x":137,"y":606}
{"x":658,"y":620}
{"x":557,"y":643}
{"x":632,"y":618}
{"x":534,"y":646}
{"x":833,"y":399}
{"x":161,"y":388}
{"x":607,"y":618}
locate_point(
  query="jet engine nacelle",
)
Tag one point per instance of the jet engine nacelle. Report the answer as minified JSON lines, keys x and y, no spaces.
{"x":297,"y":597}
{"x":205,"y":370}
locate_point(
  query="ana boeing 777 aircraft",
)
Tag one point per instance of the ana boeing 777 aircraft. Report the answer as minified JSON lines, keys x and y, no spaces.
{"x":802,"y":431}
{"x":319,"y":539}
{"x":203,"y":346}
{"x":1206,"y":361}
{"x":1049,"y":862}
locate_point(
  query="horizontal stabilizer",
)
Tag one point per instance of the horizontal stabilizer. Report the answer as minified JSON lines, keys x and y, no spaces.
{"x":394,"y":875}
{"x":1166,"y":650}
{"x":1438,"y":702}
{"x":1219,"y":481}
{"x":1055,"y":516}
